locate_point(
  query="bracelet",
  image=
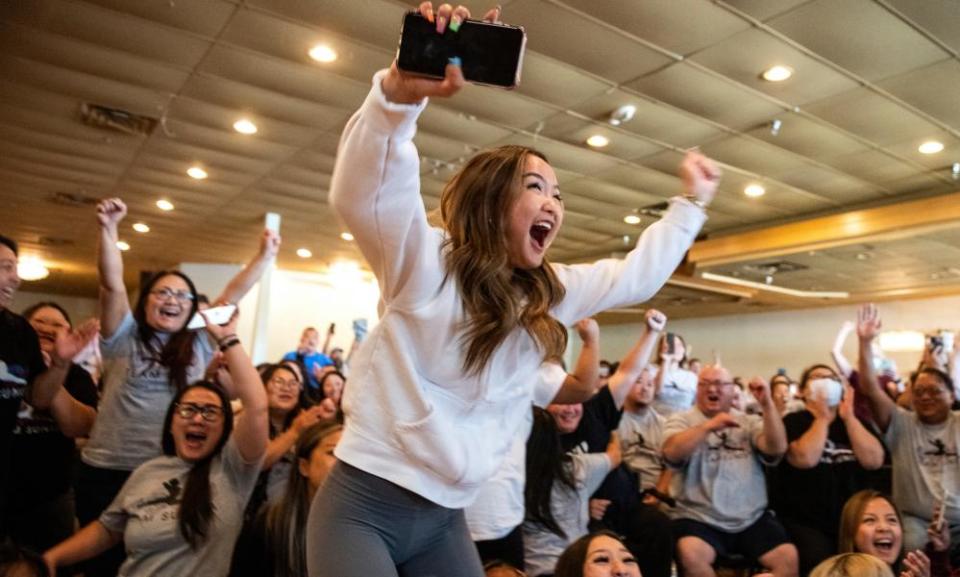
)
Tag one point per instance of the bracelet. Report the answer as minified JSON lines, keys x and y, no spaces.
{"x":696,"y":201}
{"x":228,"y":344}
{"x":226,"y":338}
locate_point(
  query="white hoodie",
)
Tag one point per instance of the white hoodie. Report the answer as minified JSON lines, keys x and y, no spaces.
{"x":413,"y":417}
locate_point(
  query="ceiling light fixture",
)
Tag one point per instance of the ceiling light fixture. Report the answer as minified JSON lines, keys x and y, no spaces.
{"x":245,"y":126}
{"x":930,"y":147}
{"x":775,"y":127}
{"x":598,"y":141}
{"x":31,"y":268}
{"x":323,"y":53}
{"x":754,"y":191}
{"x":777,"y":73}
{"x":304,"y":253}
{"x":196,"y":173}
{"x":346,"y":236}
{"x":632,"y":219}
{"x":776,"y":289}
{"x":955,"y":171}
{"x":164,"y":204}
{"x":623,"y":114}
{"x":123,"y":245}
{"x":141,"y":227}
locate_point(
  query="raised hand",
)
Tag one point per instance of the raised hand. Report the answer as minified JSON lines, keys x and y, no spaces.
{"x":309,"y":417}
{"x":916,"y":564}
{"x":845,"y":410}
{"x":70,"y":343}
{"x":700,"y":176}
{"x":219,"y":332}
{"x":760,"y":389}
{"x":656,"y":320}
{"x":588,"y":330}
{"x":269,"y":243}
{"x":111,"y":211}
{"x":598,"y":508}
{"x":721,"y":421}
{"x":868,"y":322}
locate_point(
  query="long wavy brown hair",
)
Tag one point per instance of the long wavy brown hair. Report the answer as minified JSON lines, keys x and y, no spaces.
{"x":497,"y":297}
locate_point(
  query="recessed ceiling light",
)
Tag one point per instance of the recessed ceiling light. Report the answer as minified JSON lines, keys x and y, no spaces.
{"x":931,"y":147}
{"x":32,"y":268}
{"x":164,"y":204}
{"x":598,"y":141}
{"x":323,"y":53}
{"x":304,"y":253}
{"x":141,"y":227}
{"x":123,"y":245}
{"x":754,"y":190}
{"x":346,"y":236}
{"x":197,"y":173}
{"x":631,"y":219}
{"x":245,"y":126}
{"x":777,"y":73}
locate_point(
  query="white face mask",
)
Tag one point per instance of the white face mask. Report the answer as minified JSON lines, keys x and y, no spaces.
{"x":828,"y":389}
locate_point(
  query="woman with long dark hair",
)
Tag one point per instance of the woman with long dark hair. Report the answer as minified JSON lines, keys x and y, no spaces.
{"x":180,"y":514}
{"x":148,"y":357}
{"x":469,"y":311}
{"x":600,"y":554}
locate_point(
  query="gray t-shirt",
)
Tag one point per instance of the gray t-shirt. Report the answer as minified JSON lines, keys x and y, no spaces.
{"x":641,"y":441}
{"x":925,"y":462}
{"x":146,"y":512}
{"x":571,"y":510}
{"x":677,"y":392}
{"x":136,"y":394}
{"x":722,"y":482}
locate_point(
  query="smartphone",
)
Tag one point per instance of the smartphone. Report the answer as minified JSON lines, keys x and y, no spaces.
{"x":490,"y":53}
{"x":359,"y":329}
{"x":217,"y":315}
{"x":671,"y":343}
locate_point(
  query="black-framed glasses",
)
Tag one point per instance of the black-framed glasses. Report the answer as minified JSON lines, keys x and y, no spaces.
{"x":188,"y":411}
{"x":715,"y":383}
{"x":167,"y":294}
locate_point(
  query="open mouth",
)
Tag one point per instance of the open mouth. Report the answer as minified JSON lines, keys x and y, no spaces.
{"x":713,"y":398}
{"x":195,"y":439}
{"x":540,"y":231}
{"x":170,"y":313}
{"x":883,"y":545}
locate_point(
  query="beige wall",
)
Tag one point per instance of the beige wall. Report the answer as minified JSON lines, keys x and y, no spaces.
{"x":80,"y":308}
{"x":763,"y":342}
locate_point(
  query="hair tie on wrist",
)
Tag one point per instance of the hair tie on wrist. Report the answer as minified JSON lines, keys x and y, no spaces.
{"x":228,"y":344}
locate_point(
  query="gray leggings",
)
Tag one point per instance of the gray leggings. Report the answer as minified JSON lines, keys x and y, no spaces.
{"x":362,"y":525}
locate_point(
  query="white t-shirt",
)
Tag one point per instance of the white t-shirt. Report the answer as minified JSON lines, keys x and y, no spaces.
{"x":677,"y":393}
{"x":641,"y":442}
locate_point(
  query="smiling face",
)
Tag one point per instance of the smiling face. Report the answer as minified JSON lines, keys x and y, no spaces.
{"x":195,"y":437}
{"x":608,"y":557}
{"x":879,"y":533}
{"x":283,"y":390}
{"x":169,"y":304}
{"x":309,"y":340}
{"x":932,"y":399}
{"x":644,"y":389}
{"x":49,"y":323}
{"x":567,"y":417}
{"x":321,"y":461}
{"x":534,"y":218}
{"x":333,"y":387}
{"x":716,"y":391}
{"x":9,"y":279}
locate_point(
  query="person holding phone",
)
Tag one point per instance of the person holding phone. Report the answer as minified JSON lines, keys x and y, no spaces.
{"x":676,"y":387}
{"x":469,"y":312}
{"x":148,"y":356}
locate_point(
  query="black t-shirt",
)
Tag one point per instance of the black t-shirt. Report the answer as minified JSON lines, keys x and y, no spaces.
{"x":815,"y":497}
{"x":42,"y":457}
{"x":600,"y":416}
{"x":20,"y":363}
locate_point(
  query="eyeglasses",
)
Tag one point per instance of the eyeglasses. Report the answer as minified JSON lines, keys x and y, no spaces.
{"x":929,"y":391}
{"x":715,"y":383}
{"x":166,"y":294}
{"x":188,"y":411}
{"x":281,"y":383}
{"x":52,"y":324}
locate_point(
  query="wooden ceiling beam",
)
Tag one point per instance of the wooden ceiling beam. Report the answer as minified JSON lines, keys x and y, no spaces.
{"x":883,"y":223}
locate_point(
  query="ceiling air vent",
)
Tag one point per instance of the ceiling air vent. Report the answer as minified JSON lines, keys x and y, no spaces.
{"x":55,"y":241}
{"x":776,"y":267}
{"x":74,"y":199}
{"x":116,"y":119}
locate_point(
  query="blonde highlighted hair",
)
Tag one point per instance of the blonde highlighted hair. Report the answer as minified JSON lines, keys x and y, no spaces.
{"x":852,"y":565}
{"x":497,"y":297}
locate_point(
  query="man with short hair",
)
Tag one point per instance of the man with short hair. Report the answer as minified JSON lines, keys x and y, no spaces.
{"x":721,"y":494}
{"x":23,"y":373}
{"x":310,"y":357}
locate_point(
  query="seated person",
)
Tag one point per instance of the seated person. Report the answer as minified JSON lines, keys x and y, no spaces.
{"x":923,"y":444}
{"x":718,"y":480}
{"x":852,"y":565}
{"x":312,"y":359}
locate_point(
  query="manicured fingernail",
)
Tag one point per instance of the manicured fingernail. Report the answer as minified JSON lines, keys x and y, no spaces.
{"x":454,"y":23}
{"x":429,"y":16}
{"x":455,"y":60}
{"x":441,"y":24}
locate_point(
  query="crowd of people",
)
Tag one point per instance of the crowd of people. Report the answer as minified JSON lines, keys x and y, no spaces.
{"x":453,"y":441}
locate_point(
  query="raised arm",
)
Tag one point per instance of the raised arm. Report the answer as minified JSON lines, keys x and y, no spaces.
{"x":283,"y":442}
{"x":868,"y":328}
{"x":866,"y":447}
{"x":45,"y":388}
{"x":114,"y":304}
{"x":85,"y":544}
{"x":773,"y":440}
{"x":632,"y":365}
{"x":678,"y":447}
{"x":251,"y":430}
{"x":843,"y":365}
{"x":806,"y":450}
{"x":613,"y":451}
{"x":244,"y":280}
{"x":582,"y":383}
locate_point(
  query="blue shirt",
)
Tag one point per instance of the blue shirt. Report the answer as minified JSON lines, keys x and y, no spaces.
{"x":310,"y":362}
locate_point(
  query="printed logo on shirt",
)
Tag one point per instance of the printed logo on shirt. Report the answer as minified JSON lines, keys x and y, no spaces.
{"x":723,"y":447}
{"x":13,"y":380}
{"x":834,"y":454}
{"x":33,"y":422}
{"x":163,"y":508}
{"x":581,"y":449}
{"x":640,"y":447}
{"x":936,"y":453}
